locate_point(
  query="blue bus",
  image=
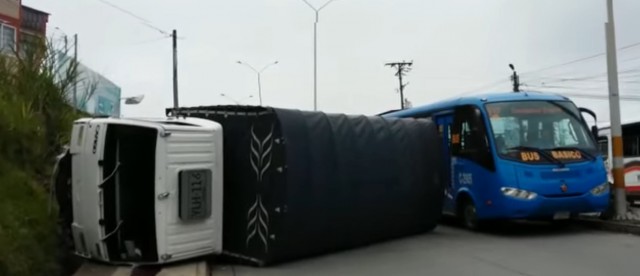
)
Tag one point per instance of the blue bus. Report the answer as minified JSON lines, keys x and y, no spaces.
{"x":517,"y":155}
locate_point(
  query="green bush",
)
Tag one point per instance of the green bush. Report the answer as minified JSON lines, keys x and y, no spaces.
{"x":28,"y":241}
{"x":35,"y":121}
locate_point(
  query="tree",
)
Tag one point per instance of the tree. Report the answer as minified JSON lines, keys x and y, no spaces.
{"x":35,"y":121}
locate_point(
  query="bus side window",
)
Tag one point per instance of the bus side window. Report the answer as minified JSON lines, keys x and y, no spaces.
{"x":631,"y":140}
{"x":469,"y":137}
{"x":631,"y":145}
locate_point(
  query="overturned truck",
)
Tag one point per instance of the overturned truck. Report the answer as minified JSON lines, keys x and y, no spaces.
{"x":263,"y":185}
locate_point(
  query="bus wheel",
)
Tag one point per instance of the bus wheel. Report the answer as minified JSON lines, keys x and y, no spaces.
{"x":468,"y":215}
{"x":610,"y":212}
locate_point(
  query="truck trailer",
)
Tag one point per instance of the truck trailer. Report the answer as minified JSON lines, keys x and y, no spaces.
{"x":262,"y":185}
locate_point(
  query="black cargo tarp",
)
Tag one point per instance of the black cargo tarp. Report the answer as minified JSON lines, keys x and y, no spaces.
{"x":301,"y":183}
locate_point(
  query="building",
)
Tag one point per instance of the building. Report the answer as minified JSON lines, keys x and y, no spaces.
{"x":9,"y":24}
{"x":94,"y":93}
{"x":20,"y":26}
{"x":33,"y":27}
{"x":100,"y":95}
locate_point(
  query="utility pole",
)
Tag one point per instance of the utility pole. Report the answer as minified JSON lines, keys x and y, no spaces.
{"x":401,"y":69}
{"x":75,"y":60}
{"x":515,"y":79}
{"x":174,"y":37}
{"x":315,"y":50}
{"x":614,"y":109}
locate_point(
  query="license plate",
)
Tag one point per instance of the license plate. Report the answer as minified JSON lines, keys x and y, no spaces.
{"x":195,"y":195}
{"x":562,"y":215}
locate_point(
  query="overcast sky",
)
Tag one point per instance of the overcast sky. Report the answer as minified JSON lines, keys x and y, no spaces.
{"x":457,"y":46}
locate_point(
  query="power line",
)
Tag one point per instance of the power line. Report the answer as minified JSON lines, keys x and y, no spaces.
{"x":486,"y":86}
{"x":149,"y":40}
{"x":626,"y":73}
{"x":565,"y":87}
{"x":174,"y":37}
{"x":143,"y":20}
{"x":629,"y":73}
{"x":591,"y":81}
{"x":584,"y":95}
{"x":600,"y":97}
{"x":581,"y":59}
{"x":630,"y":59}
{"x":564,"y":64}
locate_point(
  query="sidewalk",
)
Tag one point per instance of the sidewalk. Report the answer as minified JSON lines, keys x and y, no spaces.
{"x":630,"y":224}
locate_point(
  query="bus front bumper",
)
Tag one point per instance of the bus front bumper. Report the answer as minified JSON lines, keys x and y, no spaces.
{"x":543,"y":207}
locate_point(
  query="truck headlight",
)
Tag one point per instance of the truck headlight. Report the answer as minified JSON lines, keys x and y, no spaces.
{"x":600,"y":189}
{"x":517,"y":193}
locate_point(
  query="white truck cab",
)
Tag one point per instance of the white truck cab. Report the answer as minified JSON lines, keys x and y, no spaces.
{"x":146,"y":190}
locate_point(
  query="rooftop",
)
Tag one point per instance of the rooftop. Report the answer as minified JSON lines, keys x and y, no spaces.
{"x":34,"y":20}
{"x":30,"y":9}
{"x":490,"y":97}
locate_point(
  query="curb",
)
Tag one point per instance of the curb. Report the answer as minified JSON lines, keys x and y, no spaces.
{"x":200,"y":268}
{"x":187,"y":269}
{"x":612,"y":226}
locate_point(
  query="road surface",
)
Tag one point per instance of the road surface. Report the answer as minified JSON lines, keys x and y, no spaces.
{"x":510,"y":249}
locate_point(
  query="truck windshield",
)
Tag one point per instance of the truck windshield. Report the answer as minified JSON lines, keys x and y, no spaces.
{"x":543,"y":125}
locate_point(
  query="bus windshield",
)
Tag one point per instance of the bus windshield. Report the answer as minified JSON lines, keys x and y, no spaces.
{"x":543,"y":125}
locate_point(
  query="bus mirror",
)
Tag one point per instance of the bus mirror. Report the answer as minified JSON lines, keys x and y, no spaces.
{"x":594,"y":132}
{"x":590,"y":112}
{"x":594,"y":129}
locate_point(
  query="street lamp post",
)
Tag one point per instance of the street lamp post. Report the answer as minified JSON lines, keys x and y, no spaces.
{"x":75,"y":60}
{"x":234,"y":100}
{"x":133,"y":99}
{"x":315,"y":50}
{"x":258,"y":73}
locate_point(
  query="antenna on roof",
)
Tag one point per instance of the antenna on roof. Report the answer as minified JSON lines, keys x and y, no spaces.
{"x":515,"y":79}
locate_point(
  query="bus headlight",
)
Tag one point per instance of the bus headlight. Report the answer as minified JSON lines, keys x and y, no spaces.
{"x":600,"y":189}
{"x":517,"y":193}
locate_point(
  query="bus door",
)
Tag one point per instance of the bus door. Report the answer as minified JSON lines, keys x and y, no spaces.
{"x":472,"y":163}
{"x":444,"y":128}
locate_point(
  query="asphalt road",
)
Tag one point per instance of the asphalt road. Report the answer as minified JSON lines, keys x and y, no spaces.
{"x":510,"y":249}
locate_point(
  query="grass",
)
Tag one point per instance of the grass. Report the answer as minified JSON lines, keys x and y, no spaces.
{"x":28,"y":240}
{"x":35,"y":121}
